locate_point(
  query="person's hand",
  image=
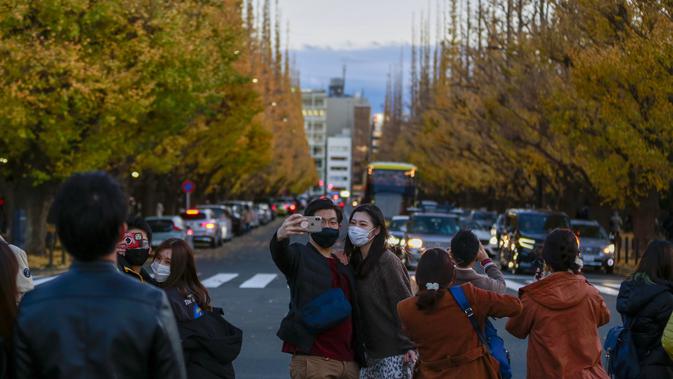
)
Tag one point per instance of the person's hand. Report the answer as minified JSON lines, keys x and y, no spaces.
{"x":291,"y":227}
{"x":482,"y":255}
{"x":410,"y":357}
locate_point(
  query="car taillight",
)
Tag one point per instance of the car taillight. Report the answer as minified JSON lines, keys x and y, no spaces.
{"x":177,"y":228}
{"x":192,"y":212}
{"x":210,"y":226}
{"x":293,"y":207}
{"x":342,"y":204}
{"x":190,"y":232}
{"x":274,"y":207}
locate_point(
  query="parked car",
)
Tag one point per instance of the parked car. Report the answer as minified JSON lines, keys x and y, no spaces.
{"x":236,"y":220}
{"x":524,"y":235}
{"x":224,"y":220}
{"x":205,"y":226}
{"x":264,"y":213}
{"x":596,"y":249}
{"x":427,"y":231}
{"x":166,"y":227}
{"x":284,"y":207}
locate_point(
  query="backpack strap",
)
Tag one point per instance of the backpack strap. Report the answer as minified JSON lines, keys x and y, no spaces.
{"x":459,"y":295}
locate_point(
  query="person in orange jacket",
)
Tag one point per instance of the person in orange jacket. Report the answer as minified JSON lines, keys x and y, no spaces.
{"x":561,"y":315}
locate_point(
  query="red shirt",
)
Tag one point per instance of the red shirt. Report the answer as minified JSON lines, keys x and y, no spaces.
{"x":335,"y":343}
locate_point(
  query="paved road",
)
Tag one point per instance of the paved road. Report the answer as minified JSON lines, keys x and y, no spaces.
{"x":255,"y":298}
{"x":243,"y":281}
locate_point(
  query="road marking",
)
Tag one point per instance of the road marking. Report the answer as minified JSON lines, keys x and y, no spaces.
{"x":514,"y":286}
{"x":39,"y":281}
{"x":612,"y":285}
{"x":218,"y":280}
{"x":606,"y":290}
{"x":258,"y":281}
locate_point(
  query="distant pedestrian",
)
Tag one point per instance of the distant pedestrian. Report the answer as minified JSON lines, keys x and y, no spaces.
{"x":93,"y":322}
{"x":448,"y":344}
{"x":466,"y":251}
{"x":9,"y":294}
{"x":134,"y":249}
{"x":561,"y":315}
{"x":646,"y":300}
{"x":210,"y":344}
{"x":321,"y":329}
{"x":382,"y":281}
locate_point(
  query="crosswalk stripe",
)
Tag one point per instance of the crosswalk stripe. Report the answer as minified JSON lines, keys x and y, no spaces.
{"x":218,"y":280}
{"x":606,"y":290}
{"x":39,"y":281}
{"x":258,"y":281}
{"x":612,"y":285}
{"x":514,"y":286}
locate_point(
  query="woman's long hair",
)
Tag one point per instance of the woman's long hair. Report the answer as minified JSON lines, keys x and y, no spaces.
{"x":657,"y":263}
{"x":183,"y":271}
{"x":361,"y":266}
{"x":9,"y":292}
{"x":435,"y":266}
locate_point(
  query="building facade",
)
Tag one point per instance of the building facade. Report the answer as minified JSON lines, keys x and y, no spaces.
{"x":314,"y":108}
{"x":339,"y":162}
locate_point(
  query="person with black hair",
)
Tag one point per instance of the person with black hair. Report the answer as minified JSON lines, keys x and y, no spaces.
{"x":382,"y":281}
{"x":466,"y":251}
{"x":210,"y":343}
{"x":93,"y":322}
{"x":132,"y":256}
{"x":448,"y":344}
{"x":321,"y":329}
{"x":561,"y":315}
{"x":646,"y":300}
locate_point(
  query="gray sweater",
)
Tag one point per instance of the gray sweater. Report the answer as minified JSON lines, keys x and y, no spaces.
{"x":378,"y":294}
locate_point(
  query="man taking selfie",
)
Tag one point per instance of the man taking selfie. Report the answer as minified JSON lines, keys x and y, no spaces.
{"x":321,"y":328}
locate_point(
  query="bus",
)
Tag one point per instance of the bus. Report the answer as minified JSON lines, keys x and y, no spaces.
{"x":391,"y":186}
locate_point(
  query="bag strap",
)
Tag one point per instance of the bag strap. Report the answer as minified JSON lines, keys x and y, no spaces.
{"x":459,"y":295}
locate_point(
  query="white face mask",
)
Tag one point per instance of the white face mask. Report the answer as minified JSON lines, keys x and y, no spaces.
{"x":358,"y":236}
{"x":161,"y":272}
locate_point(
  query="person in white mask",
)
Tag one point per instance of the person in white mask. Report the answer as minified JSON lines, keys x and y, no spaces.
{"x":210,"y":344}
{"x":382,"y":281}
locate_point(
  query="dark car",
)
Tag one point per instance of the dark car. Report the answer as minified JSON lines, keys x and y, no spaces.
{"x":485,"y":219}
{"x":595,"y":246}
{"x":524,"y":235}
{"x":427,"y":231}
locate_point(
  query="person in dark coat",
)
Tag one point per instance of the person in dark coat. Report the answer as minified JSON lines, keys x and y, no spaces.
{"x":647,"y":298}
{"x":210,"y":344}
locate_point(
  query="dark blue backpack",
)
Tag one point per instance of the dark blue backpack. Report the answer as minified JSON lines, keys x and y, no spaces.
{"x":621,"y":357}
{"x":489,"y":338}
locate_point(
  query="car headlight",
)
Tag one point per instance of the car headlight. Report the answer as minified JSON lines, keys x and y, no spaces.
{"x":527,"y":243}
{"x":610,"y":249}
{"x":393,"y":241}
{"x":493,"y":241}
{"x":415,"y":243}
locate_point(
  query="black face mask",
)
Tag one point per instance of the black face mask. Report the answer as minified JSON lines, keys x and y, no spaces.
{"x":326,"y":238}
{"x":137,"y":257}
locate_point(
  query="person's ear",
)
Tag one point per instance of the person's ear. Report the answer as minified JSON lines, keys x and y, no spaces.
{"x":376,"y":231}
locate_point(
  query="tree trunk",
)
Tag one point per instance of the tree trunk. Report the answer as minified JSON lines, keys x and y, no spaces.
{"x":644,"y":216}
{"x":37,"y":207}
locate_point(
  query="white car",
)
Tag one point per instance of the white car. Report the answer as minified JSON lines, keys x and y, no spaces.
{"x":224,"y":220}
{"x":204,"y":225}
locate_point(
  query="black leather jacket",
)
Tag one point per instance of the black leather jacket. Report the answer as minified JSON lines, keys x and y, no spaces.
{"x":93,"y":322}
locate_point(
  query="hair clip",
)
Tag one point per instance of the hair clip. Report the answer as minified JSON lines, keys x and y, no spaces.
{"x":432,"y":286}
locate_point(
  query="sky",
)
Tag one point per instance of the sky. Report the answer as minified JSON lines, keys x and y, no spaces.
{"x":366,"y":35}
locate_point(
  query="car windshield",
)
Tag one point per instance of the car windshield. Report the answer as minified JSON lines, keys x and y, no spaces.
{"x":160,"y":226}
{"x":396,"y":225}
{"x":434,"y":225}
{"x":590,"y":231}
{"x":541,"y":223}
{"x":484,"y":216}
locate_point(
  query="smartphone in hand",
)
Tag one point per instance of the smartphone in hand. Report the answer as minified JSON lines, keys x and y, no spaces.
{"x":312,"y":224}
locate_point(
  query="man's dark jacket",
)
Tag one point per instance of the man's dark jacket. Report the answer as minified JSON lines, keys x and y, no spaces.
{"x":94,"y":322}
{"x":308,"y":276}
